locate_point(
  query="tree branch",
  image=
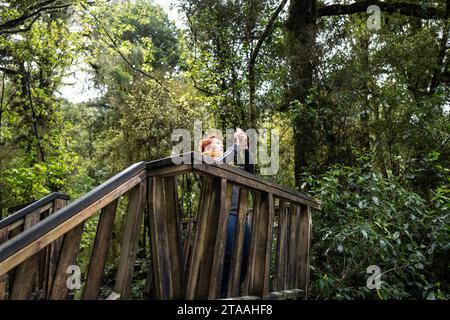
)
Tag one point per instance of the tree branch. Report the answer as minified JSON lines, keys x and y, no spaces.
{"x":117,"y":49}
{"x":267,"y":31}
{"x":19,"y":30}
{"x":8,"y":26}
{"x":205,"y":91}
{"x":9,"y":71}
{"x":407,"y":9}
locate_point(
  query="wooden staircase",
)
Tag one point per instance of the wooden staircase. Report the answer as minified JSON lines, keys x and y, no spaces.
{"x":186,"y":256}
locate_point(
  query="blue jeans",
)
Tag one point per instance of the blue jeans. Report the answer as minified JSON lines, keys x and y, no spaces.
{"x":231,"y":231}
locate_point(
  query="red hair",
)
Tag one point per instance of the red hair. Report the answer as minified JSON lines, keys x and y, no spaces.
{"x":206,"y":141}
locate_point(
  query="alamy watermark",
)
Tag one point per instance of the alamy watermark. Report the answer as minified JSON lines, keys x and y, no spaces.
{"x":263,"y":147}
{"x":73,"y":281}
{"x":374,"y":20}
{"x":374,"y":281}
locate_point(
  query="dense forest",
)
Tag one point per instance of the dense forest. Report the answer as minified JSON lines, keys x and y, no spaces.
{"x":362,"y":109}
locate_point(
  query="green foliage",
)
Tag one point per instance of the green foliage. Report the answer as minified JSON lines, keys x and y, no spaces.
{"x":384,"y":93}
{"x":371,"y":220}
{"x":219,"y":40}
{"x":34,"y":159}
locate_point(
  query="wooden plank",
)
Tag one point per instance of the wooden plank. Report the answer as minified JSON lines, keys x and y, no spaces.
{"x":304,"y":243}
{"x":280,"y":268}
{"x":99,"y":252}
{"x":269,"y":239}
{"x":68,"y":254}
{"x":60,"y":229}
{"x":292,"y":247}
{"x":113,"y":296}
{"x":44,"y":267}
{"x":129,"y":246}
{"x":210,"y":231}
{"x":249,"y":180}
{"x":162,"y":275}
{"x":25,"y":276}
{"x":19,"y":222}
{"x":243,"y":298}
{"x":83,"y":204}
{"x":149,"y":281}
{"x":262,"y":245}
{"x":173,"y":222}
{"x":253,"y":221}
{"x":170,"y":171}
{"x":220,"y":234}
{"x":285,"y":294}
{"x":24,"y":210}
{"x":200,"y":239}
{"x":54,"y":250}
{"x":187,"y":221}
{"x":236,"y":261}
{"x":232,"y":174}
{"x":187,"y":244}
{"x":4,"y":278}
{"x":44,"y":260}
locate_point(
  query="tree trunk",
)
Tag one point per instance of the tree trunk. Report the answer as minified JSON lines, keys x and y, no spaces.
{"x":301,"y":32}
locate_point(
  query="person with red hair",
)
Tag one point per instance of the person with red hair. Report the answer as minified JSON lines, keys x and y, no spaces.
{"x":212,"y":146}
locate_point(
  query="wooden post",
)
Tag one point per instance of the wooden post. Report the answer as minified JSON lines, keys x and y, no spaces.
{"x":25,"y":276}
{"x":253,"y":220}
{"x":205,"y":267}
{"x":99,"y":252}
{"x":52,"y":252}
{"x":187,"y":244}
{"x":129,"y":246}
{"x":304,"y":243}
{"x":280,"y":268}
{"x":162,"y":275}
{"x":68,"y":255}
{"x":199,"y":240}
{"x":292,"y":256}
{"x":236,"y":261}
{"x":165,"y":237}
{"x":3,"y":278}
{"x":261,"y":246}
{"x":220,"y":221}
{"x":173,"y":222}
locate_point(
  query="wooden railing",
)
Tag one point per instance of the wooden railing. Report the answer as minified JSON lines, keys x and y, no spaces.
{"x":186,"y":262}
{"x":20,"y":221}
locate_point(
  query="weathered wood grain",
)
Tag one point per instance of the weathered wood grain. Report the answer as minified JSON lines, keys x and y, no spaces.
{"x":129,"y":246}
{"x":21,"y":254}
{"x":304,"y":243}
{"x":68,"y":254}
{"x":259,"y":271}
{"x":292,"y":247}
{"x":25,"y":276}
{"x":236,"y":261}
{"x":206,"y":198}
{"x":173,"y":222}
{"x":281,"y":256}
{"x":220,"y":238}
{"x":100,"y":251}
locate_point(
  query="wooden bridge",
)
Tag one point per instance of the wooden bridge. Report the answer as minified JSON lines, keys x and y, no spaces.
{"x":39,"y":242}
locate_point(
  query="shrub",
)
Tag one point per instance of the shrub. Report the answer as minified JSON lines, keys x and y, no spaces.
{"x":368,"y":219}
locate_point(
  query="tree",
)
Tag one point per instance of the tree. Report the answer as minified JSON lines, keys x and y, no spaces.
{"x":134,"y":51}
{"x":33,"y":157}
{"x":230,"y":60}
{"x":19,"y":16}
{"x":303,"y":53}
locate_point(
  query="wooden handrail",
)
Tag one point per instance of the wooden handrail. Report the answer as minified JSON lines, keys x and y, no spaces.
{"x":15,"y":245}
{"x":166,"y":167}
{"x":32,"y":207}
{"x":179,"y":270}
{"x":19,"y":222}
